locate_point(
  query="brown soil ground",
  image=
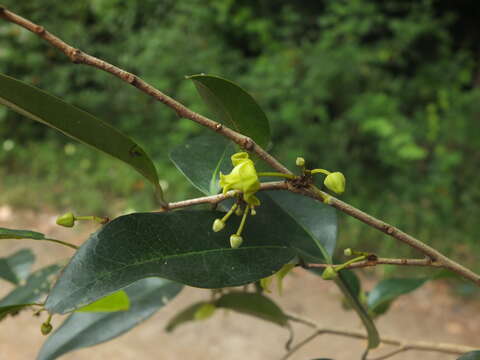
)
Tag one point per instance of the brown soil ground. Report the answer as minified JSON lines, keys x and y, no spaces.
{"x":431,"y":313}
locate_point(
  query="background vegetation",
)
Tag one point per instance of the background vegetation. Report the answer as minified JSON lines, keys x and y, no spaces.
{"x":384,"y":91}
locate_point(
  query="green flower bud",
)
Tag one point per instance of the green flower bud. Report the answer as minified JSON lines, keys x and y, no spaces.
{"x":335,"y":182}
{"x":348,"y":252}
{"x":253,"y":212}
{"x":235,"y":241}
{"x":218,"y":225}
{"x":204,"y":311}
{"x":239,"y":211}
{"x":329,"y":273}
{"x":46,"y":328}
{"x":300,"y":161}
{"x":67,"y":220}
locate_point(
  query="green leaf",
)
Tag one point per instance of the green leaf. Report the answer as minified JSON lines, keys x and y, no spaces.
{"x":351,"y":294}
{"x":81,"y":330}
{"x":184,"y":316}
{"x":472,"y":355}
{"x":179,"y":246}
{"x":6,"y":272}
{"x":21,"y":263}
{"x":20,"y":234}
{"x":12,"y":309}
{"x":317,"y":220}
{"x":253,"y":304}
{"x":234,"y":107}
{"x":202,"y":159}
{"x":118,"y":301}
{"x":37,"y":284}
{"x":78,"y":124}
{"x":388,"y":290}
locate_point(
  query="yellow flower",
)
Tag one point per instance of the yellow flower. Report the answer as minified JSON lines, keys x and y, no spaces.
{"x":243,"y":177}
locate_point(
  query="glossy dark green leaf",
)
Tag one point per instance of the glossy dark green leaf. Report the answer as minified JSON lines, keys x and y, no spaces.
{"x":118,"y":301}
{"x":36,"y":285}
{"x":472,"y":355}
{"x":234,"y":107}
{"x":253,"y":304}
{"x":202,"y":159}
{"x":318,"y":221}
{"x":388,"y":290}
{"x":21,"y":262}
{"x":40,"y":106}
{"x":81,"y":330}
{"x":348,"y":288}
{"x":184,"y":316}
{"x":11,"y":309}
{"x":179,"y":246}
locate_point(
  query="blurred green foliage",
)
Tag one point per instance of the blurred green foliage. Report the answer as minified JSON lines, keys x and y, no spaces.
{"x":384,"y":91}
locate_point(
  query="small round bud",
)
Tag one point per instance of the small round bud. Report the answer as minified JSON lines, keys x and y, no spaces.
{"x":235,"y":241}
{"x":300,"y":161}
{"x":253,"y":212}
{"x":239,"y":211}
{"x":329,"y":273}
{"x":67,"y":220}
{"x":348,"y":252}
{"x":335,"y":182}
{"x":218,"y":225}
{"x":46,"y":328}
{"x":204,"y":311}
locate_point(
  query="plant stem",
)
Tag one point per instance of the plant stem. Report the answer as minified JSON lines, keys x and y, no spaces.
{"x":277,"y":174}
{"x":62,"y":243}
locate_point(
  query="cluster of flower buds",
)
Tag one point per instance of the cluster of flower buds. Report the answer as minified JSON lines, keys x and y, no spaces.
{"x":243,"y":178}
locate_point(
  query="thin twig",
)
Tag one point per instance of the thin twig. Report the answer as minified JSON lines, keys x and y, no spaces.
{"x":215,"y":199}
{"x":445,"y":348}
{"x":79,"y":57}
{"x":382,"y":261}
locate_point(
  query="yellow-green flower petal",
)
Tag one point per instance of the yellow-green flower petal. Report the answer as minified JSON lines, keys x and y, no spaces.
{"x":243,"y":178}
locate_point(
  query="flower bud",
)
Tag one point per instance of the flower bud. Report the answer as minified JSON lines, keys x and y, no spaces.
{"x":348,"y":252}
{"x":235,"y":241}
{"x":253,"y":212}
{"x":335,"y":182}
{"x":46,"y":328}
{"x":204,"y":311}
{"x":67,"y":220}
{"x":300,"y":161}
{"x":329,"y":273}
{"x":218,"y":225}
{"x":239,"y":211}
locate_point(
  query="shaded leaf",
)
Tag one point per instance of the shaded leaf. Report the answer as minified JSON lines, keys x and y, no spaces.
{"x":11,"y":309}
{"x":81,"y":330}
{"x":253,"y":304}
{"x":40,"y":106}
{"x":21,"y":262}
{"x":202,"y":159}
{"x":472,"y":355}
{"x":20,"y":234}
{"x":6,"y":272}
{"x":179,"y":246}
{"x":37,"y":284}
{"x":184,"y":316}
{"x":234,"y":107}
{"x":118,"y":301}
{"x":317,"y":220}
{"x":347,"y":287}
{"x":388,"y":290}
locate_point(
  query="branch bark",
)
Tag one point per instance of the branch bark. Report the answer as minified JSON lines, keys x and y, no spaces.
{"x":79,"y":57}
{"x":445,"y":348}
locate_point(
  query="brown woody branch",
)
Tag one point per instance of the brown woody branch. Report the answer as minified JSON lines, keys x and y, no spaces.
{"x":383,"y":261}
{"x":445,"y":348}
{"x":79,"y":57}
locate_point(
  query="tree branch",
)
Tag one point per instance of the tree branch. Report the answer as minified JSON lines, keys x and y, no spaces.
{"x":215,"y":199}
{"x":445,"y":348}
{"x":79,"y":57}
{"x":383,"y":261}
